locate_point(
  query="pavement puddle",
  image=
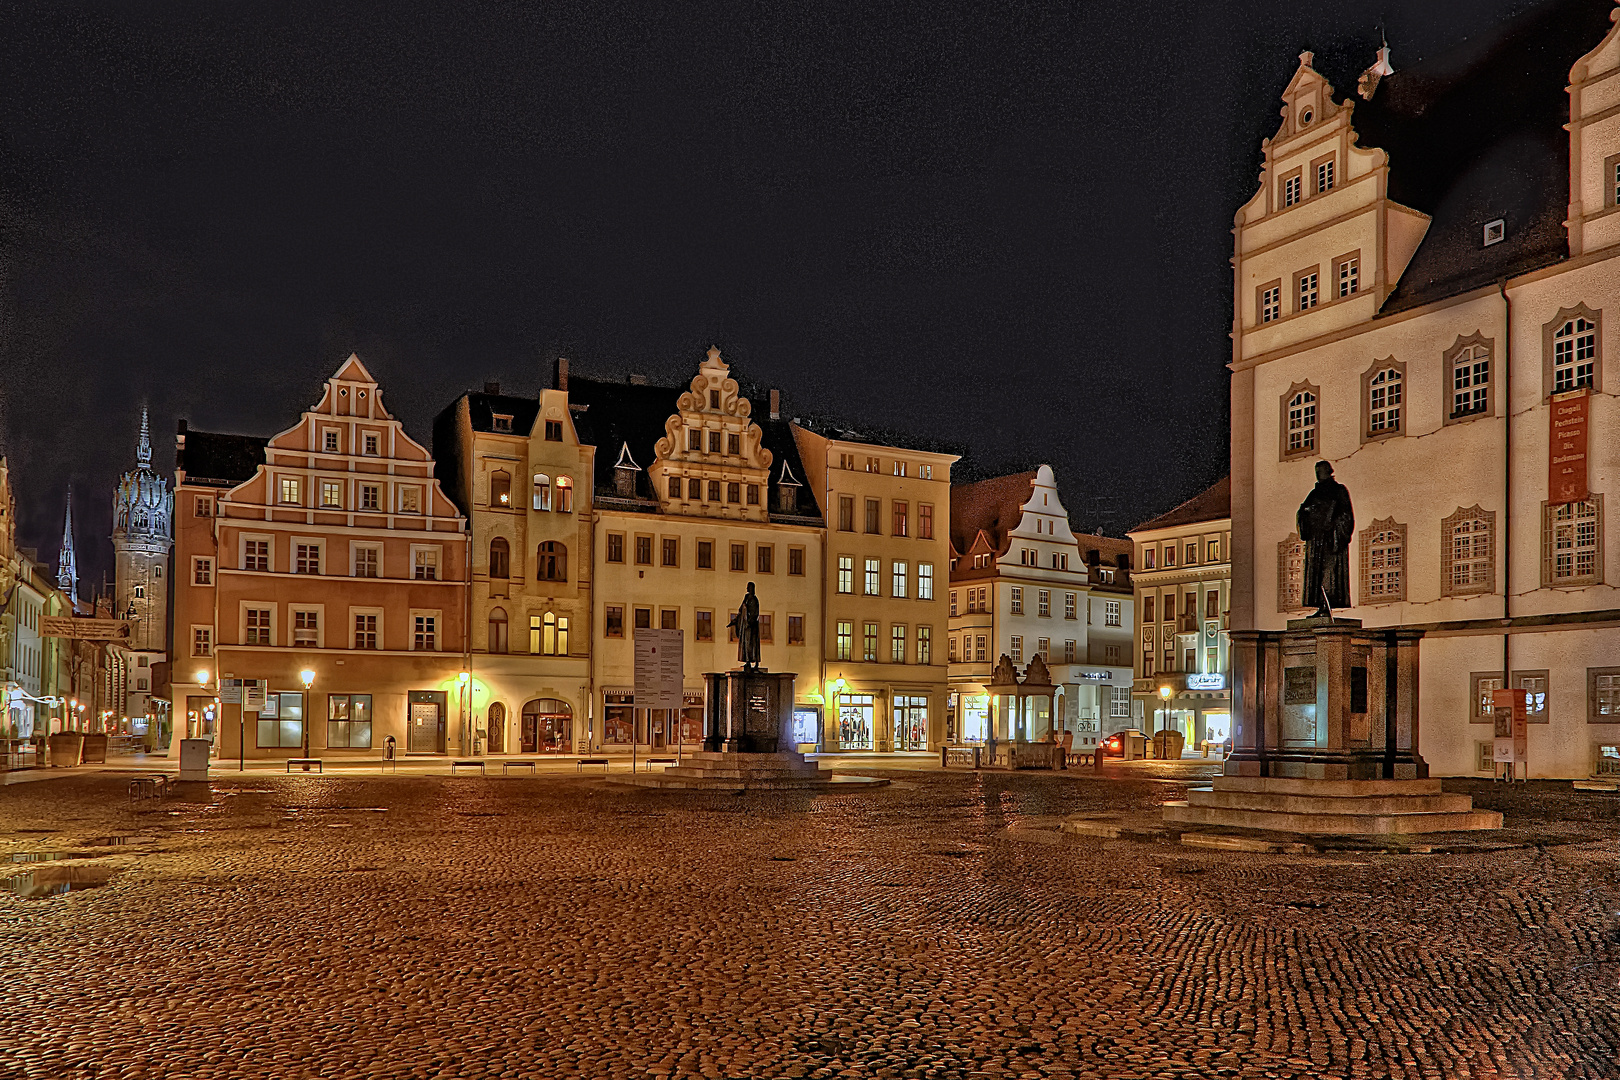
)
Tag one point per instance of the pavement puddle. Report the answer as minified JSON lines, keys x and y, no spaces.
{"x":42,"y":856}
{"x":55,"y":880}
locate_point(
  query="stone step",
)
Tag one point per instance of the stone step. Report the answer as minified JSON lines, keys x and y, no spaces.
{"x":683,"y":773}
{"x":1316,"y":804}
{"x":1286,"y":785}
{"x":1327,"y":824}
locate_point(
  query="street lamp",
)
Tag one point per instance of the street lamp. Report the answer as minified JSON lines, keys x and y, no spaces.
{"x":466,"y":721}
{"x":307,"y":677}
{"x":1164,"y":712}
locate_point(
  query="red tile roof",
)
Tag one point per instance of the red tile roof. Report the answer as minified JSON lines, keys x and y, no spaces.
{"x":993,"y":506}
{"x":1211,"y":505}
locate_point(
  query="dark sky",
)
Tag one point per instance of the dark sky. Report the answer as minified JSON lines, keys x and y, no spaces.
{"x":1002,"y":226}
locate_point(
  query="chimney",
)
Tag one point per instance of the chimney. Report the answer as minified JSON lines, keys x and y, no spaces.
{"x":637,"y":380}
{"x":776,"y":404}
{"x":560,"y":374}
{"x":493,"y":389}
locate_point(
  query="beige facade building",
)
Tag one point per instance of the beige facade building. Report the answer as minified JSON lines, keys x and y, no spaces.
{"x":1183,"y":583}
{"x":1427,"y":285}
{"x":883,"y":666}
{"x":516,"y":467}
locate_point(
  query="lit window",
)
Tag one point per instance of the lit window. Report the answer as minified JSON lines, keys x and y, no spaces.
{"x":332,"y":493}
{"x":844,"y":638}
{"x":925,"y":581}
{"x":541,"y":497}
{"x":846,"y":573}
{"x":869,"y":640}
{"x":291,"y":491}
{"x":898,"y":583}
{"x":897,"y":644}
{"x":565,"y":495}
{"x":874,"y":570}
{"x":1574,"y":353}
{"x":1384,"y":402}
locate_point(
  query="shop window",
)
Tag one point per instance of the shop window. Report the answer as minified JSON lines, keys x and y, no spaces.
{"x":348,"y":721}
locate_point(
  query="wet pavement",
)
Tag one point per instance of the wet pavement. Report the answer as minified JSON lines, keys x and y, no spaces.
{"x":938,"y":927}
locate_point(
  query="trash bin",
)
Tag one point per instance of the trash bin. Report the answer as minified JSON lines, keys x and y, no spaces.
{"x":388,"y":748}
{"x":66,"y":749}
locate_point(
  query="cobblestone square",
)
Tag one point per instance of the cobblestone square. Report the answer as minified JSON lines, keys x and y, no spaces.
{"x":938,"y":927}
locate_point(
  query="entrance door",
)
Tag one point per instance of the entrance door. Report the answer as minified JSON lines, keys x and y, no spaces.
{"x":496,"y":728}
{"x":547,"y":727}
{"x":855,"y":721}
{"x":423,"y":734}
{"x":910,"y":722}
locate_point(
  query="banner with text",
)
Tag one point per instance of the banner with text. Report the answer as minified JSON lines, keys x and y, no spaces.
{"x":1566,"y":443}
{"x":66,"y":626}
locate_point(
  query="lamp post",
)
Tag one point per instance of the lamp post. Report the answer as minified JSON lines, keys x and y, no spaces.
{"x":466,"y":721}
{"x":1164,"y":711}
{"x":307,"y":677}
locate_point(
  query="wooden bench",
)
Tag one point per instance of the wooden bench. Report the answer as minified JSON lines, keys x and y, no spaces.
{"x":602,"y":761}
{"x":306,"y":762}
{"x":468,"y":764}
{"x":148,"y":787}
{"x":650,"y":762}
{"x":508,"y":765}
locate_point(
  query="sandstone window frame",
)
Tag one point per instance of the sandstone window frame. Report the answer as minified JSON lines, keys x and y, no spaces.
{"x":1593,"y":699}
{"x":1320,"y":184}
{"x":1307,"y":288}
{"x":1542,"y":715}
{"x":1549,"y":331}
{"x":1287,"y":197}
{"x":1381,"y":536}
{"x":1448,"y":382}
{"x":1290,"y":574}
{"x":1549,"y":531}
{"x":1448,"y":552}
{"x":1479,"y":710}
{"x":1312,"y":448}
{"x":1611,"y":181}
{"x":1369,"y":390}
{"x":1346,"y":271}
{"x":1268,"y":305}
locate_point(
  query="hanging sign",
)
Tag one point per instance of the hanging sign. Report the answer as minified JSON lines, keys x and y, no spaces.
{"x":66,"y":626}
{"x":1566,"y":446}
{"x":660,"y":669}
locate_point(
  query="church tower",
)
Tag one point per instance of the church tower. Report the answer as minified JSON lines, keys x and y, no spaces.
{"x":67,"y":565}
{"x":143,"y":534}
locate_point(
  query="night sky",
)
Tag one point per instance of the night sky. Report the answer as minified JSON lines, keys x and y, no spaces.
{"x":1001,"y":227}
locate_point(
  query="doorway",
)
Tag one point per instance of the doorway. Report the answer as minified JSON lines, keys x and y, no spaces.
{"x":547,"y":727}
{"x":422,"y":737}
{"x":495,"y":727}
{"x":910,"y":722}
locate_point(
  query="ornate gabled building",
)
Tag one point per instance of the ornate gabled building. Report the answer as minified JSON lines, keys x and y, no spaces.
{"x":142,"y":539}
{"x":1426,"y":282}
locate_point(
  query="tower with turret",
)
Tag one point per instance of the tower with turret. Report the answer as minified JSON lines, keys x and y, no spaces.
{"x":142,"y":537}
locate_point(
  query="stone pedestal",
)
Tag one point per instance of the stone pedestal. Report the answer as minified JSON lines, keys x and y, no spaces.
{"x":748,"y":712}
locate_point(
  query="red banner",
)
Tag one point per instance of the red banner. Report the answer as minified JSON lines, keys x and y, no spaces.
{"x":1566,"y":446}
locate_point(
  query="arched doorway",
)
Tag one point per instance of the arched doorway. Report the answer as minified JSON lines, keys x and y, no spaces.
{"x":496,"y":725}
{"x":548,"y":727}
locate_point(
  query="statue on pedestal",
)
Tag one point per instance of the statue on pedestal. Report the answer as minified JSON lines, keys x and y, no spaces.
{"x":746,"y":624}
{"x":1326,"y":523}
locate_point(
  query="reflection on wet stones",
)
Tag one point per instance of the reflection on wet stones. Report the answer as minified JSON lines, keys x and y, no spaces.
{"x":56,"y":880}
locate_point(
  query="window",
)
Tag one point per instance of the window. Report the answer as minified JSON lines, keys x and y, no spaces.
{"x":371,"y":444}
{"x":874,"y":507}
{"x":1299,"y":408}
{"x":925,"y":472}
{"x":734,"y":492}
{"x":872,"y":465}
{"x":1270,"y":303}
{"x":332,"y":494}
{"x":714,"y":442}
{"x":846,"y":513}
{"x":500,"y":558}
{"x":753,"y":494}
{"x":951,"y":652}
{"x":306,"y":558}
{"x":497,"y":631}
{"x":615,"y":547}
{"x":897,"y":644}
{"x":1382,"y":394}
{"x":1383,"y":562}
{"x":1119,"y":702}
{"x":705,"y":554}
{"x":694,"y":440}
{"x":565,"y":495}
{"x":1043,"y":603}
{"x":1348,"y":272}
{"x":899,"y":522}
{"x":1571,"y":535}
{"x":1213,"y":551}
{"x":1016,"y":649}
{"x":1111,"y":612}
{"x":714,"y":491}
{"x":764,"y":559}
{"x":552,"y":561}
{"x":1043,"y":649}
{"x":425,"y":638}
{"x":874,"y":570}
{"x":1147,"y":559}
{"x":553,"y":634}
{"x":1534,"y":684}
{"x":925,"y":520}
{"x":365,"y":631}
{"x":410,"y":500}
{"x":897,"y":582}
{"x":425,"y":564}
{"x":554,"y":431}
{"x":795,"y":630}
{"x":843,"y":640}
{"x":925,"y":645}
{"x":1070,"y":651}
{"x":203,"y":507}
{"x":899,"y":468}
{"x":705,"y":626}
{"x":1307,"y":290}
{"x":671,"y":551}
{"x":846,"y":573}
{"x":367,"y":560}
{"x":257,"y":626}
{"x":1290,"y":573}
{"x":1574,"y":339}
{"x":694,"y":489}
{"x":739,"y":557}
{"x":500,"y":489}
{"x":733,"y":444}
{"x":1324,"y":176}
{"x":1212,"y":604}
{"x":1169,"y":555}
{"x":281,"y":721}
{"x":714,"y":400}
{"x":1482,"y":684}
{"x":1468,"y":552}
{"x":1291,"y":192}
{"x":796,"y":561}
{"x":1494,"y":232}
{"x":643,"y":551}
{"x":925,"y":581}
{"x":1190,"y":556}
{"x":291,"y":492}
{"x":1147,"y":608}
{"x":541,"y":498}
{"x":1017,"y":600}
{"x":370,"y":497}
{"x":980,"y":647}
{"x":202,"y":571}
{"x":1603,"y":695}
{"x":306,"y":629}
{"x":348,"y":721}
{"x":766,"y":631}
{"x":869,"y":638}
{"x":613,"y":621}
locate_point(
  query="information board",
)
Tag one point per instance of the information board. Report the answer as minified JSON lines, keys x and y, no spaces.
{"x":1510,"y":709}
{"x":660,"y":669}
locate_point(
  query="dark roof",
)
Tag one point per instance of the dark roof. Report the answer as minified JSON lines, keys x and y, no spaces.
{"x":993,"y":506}
{"x":1477,"y":133}
{"x":877,"y":438}
{"x":220,"y":459}
{"x":1211,"y":505}
{"x":618,"y":414}
{"x":481,"y":409}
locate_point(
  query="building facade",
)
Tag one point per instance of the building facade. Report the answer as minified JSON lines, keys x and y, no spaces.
{"x":884,"y":668}
{"x":1426,"y":288}
{"x":142,"y":539}
{"x":332,"y":551}
{"x":1023,"y":584}
{"x":1183,"y":582}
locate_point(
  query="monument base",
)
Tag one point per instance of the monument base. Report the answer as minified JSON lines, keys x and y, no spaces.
{"x":749,"y":711}
{"x":1326,"y":807}
{"x":738,"y":772}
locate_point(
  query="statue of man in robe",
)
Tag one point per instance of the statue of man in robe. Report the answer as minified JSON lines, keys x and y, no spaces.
{"x":1326,"y":522}
{"x":746,"y":623}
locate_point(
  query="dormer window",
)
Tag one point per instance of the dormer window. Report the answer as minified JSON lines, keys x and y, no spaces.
{"x":714,"y":400}
{"x":1495,"y":231}
{"x":502,"y":422}
{"x":554,"y":431}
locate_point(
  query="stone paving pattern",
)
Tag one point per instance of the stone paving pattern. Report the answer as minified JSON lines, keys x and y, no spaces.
{"x":560,"y":927}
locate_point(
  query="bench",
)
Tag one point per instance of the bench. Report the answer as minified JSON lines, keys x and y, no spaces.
{"x":148,"y":787}
{"x":602,"y":761}
{"x":650,"y":762}
{"x":507,"y":765}
{"x":469,"y":764}
{"x":306,"y":762}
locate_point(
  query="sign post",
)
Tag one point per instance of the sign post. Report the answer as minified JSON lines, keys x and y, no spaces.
{"x":660,"y":675}
{"x":1510,"y":709}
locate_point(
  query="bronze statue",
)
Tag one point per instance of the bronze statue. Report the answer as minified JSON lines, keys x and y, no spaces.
{"x":1326,"y":523}
{"x":746,"y":624}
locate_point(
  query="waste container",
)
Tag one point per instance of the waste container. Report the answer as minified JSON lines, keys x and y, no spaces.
{"x":388,"y":748}
{"x":66,"y":749}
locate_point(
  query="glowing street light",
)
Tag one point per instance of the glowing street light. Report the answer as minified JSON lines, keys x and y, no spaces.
{"x":307,"y":677}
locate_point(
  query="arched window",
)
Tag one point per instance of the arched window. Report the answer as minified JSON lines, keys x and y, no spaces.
{"x":1574,"y":354}
{"x":542,"y":491}
{"x":1301,"y":417}
{"x":565,"y":495}
{"x":548,"y":635}
{"x":500,"y":558}
{"x":552,"y":562}
{"x":1384,"y":393}
{"x":500,"y":488}
{"x":497,"y":630}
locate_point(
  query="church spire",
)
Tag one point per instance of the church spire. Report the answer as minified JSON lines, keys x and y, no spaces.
{"x":67,"y":566}
{"x":143,"y":449}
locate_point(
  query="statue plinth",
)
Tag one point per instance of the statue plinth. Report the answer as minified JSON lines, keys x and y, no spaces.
{"x":749,"y":711}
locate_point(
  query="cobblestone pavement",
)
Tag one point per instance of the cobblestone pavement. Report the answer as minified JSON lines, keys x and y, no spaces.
{"x":939,"y":927}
